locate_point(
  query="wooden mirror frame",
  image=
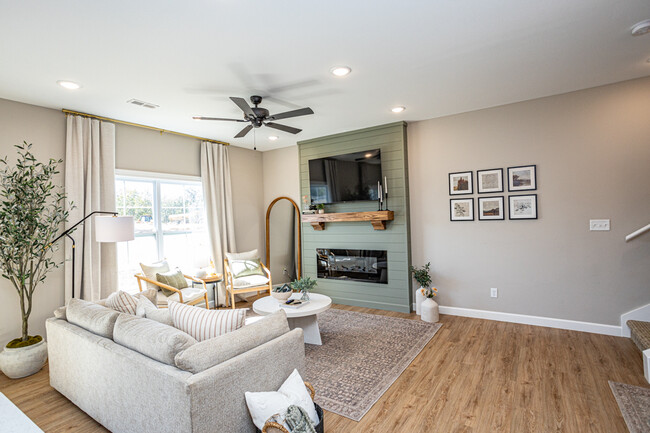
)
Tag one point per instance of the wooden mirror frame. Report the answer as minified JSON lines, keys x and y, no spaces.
{"x":268,"y":236}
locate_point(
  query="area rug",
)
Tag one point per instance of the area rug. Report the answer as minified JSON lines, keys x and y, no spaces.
{"x":361,"y":356}
{"x":634,"y":402}
{"x":13,"y":420}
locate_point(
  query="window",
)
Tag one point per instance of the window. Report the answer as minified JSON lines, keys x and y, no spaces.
{"x":170,"y":224}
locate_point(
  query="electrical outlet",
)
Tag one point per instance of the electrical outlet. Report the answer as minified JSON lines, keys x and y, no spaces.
{"x":493,"y":292}
{"x":599,"y":225}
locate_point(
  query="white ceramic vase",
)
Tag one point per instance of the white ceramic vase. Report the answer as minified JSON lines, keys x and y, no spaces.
{"x":23,"y":361}
{"x":430,"y":311}
{"x":419,"y":297}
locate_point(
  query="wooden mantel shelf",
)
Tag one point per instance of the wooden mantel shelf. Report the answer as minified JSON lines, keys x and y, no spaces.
{"x":377,"y":218}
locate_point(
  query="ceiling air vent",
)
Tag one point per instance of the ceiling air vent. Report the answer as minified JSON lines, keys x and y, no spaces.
{"x":142,"y":103}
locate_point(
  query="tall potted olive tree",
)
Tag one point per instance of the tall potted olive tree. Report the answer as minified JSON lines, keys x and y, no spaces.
{"x":31,"y":213}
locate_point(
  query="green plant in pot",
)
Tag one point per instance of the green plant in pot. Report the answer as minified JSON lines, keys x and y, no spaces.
{"x":321,"y":208}
{"x":31,"y":213}
{"x":304,"y":286}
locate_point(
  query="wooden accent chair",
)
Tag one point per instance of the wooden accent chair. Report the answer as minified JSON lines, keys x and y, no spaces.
{"x":235,"y":286}
{"x":189,"y":295}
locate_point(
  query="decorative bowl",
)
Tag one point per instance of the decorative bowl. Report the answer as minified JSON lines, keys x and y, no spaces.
{"x":281,"y":296}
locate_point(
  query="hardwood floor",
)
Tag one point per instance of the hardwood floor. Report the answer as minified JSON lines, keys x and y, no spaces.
{"x":473,"y":376}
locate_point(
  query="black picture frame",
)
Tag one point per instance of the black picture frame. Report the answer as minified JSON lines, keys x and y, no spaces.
{"x":513,"y":207}
{"x":531,"y":179}
{"x":479,"y":183}
{"x":500,"y":217}
{"x":452,"y":213}
{"x":470,"y":183}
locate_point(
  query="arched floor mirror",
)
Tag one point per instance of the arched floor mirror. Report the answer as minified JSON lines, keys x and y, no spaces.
{"x":283,"y":240}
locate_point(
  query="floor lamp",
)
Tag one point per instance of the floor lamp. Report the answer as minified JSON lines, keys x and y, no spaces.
{"x":107,"y":229}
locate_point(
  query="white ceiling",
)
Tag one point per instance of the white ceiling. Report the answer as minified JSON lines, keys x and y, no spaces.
{"x":436,"y":57}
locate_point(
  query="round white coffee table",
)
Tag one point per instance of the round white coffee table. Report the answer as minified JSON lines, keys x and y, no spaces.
{"x":303,"y":317}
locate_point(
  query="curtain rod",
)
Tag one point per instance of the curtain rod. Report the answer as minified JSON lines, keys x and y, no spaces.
{"x":108,"y":119}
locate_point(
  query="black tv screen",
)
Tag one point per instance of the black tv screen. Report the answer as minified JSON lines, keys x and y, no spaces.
{"x":349,"y":177}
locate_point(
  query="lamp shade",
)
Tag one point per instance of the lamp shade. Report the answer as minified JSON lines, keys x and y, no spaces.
{"x":114,"y":228}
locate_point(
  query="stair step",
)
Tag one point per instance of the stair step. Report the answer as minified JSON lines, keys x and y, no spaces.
{"x":640,"y":332}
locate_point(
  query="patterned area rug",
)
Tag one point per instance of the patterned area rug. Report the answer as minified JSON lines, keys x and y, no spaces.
{"x":634,"y":402}
{"x":361,"y":356}
{"x":13,"y":420}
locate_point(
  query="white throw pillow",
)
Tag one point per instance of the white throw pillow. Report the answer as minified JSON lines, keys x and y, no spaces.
{"x":204,"y":324}
{"x":152,"y":269}
{"x":147,"y":309}
{"x":263,"y":405}
{"x":250,"y":281}
{"x":248,"y":255}
{"x":122,"y":302}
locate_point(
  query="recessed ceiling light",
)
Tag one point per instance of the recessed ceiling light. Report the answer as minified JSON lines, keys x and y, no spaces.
{"x":397,"y":109}
{"x":197,"y":118}
{"x":273,"y":137}
{"x":70,"y":85}
{"x":368,"y":155}
{"x":641,"y":28}
{"x":340,"y":71}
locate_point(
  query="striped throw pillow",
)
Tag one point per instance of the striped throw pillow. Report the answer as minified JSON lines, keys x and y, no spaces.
{"x":122,"y":302}
{"x":204,"y":324}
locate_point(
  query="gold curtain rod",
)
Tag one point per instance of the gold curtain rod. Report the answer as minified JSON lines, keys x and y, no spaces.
{"x":108,"y":119}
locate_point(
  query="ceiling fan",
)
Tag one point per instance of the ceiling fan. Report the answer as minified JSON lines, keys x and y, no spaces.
{"x":258,"y":116}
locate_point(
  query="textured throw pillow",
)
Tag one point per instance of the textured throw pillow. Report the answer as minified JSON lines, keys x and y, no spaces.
{"x":122,"y":302}
{"x":263,"y":405}
{"x":248,"y":255}
{"x":151,"y":270}
{"x":172,"y":278}
{"x":150,"y":294}
{"x":203,"y":324}
{"x":246,"y":268}
{"x":92,"y":317}
{"x":147,"y":309}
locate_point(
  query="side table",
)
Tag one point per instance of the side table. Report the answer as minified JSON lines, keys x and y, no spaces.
{"x":214,"y":280}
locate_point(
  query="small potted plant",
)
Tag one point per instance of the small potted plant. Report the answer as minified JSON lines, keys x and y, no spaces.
{"x":321,"y":208}
{"x":429,"y":306}
{"x":423,"y":278}
{"x":304,"y":286}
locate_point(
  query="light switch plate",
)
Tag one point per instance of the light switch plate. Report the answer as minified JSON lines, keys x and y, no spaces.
{"x":599,"y":225}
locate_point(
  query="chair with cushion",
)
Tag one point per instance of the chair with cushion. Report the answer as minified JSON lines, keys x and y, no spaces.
{"x":245,"y":273}
{"x":172,"y":285}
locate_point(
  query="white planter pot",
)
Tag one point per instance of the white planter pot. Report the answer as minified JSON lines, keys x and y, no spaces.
{"x":419,"y":297}
{"x":430,"y":311}
{"x":23,"y":361}
{"x":321,"y":210}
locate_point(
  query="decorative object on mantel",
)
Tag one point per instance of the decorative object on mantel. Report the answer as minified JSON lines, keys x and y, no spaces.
{"x":429,"y":306}
{"x":423,"y":277}
{"x":386,"y":191}
{"x":304,"y":285}
{"x":31,"y":211}
{"x":321,"y":208}
{"x":522,"y":207}
{"x":522,"y":178}
{"x":377,"y":218}
{"x":460,"y":183}
{"x":461,"y":209}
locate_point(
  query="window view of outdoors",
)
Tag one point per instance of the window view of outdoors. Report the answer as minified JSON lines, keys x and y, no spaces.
{"x":169,"y":224}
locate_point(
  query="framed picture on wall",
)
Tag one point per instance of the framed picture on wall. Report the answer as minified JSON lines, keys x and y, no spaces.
{"x":523,"y":178}
{"x":488,"y":181}
{"x":522,"y":207}
{"x":460,"y":183}
{"x":461,"y":209}
{"x":490,"y":208}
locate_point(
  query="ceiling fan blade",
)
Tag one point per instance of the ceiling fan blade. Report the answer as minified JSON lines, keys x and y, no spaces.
{"x":284,"y":128}
{"x":218,"y":118}
{"x":292,"y":113}
{"x":244,"y":131}
{"x":241,"y":103}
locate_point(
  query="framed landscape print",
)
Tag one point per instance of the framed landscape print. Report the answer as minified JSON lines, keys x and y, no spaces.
{"x":460,"y":183}
{"x":522,"y":207}
{"x":489,"y":180}
{"x":490,"y":208}
{"x":522,"y":178}
{"x":462,"y":209}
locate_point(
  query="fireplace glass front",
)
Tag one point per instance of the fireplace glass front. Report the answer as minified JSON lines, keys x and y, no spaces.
{"x":370,"y":266}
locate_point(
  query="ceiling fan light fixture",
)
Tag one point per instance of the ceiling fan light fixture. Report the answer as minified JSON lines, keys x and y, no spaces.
{"x":341,"y":71}
{"x":398,"y":109}
{"x":273,"y":137}
{"x":641,"y":28}
{"x":70,"y":85}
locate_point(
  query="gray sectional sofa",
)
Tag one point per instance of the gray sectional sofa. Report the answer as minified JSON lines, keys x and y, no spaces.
{"x":136,"y":375}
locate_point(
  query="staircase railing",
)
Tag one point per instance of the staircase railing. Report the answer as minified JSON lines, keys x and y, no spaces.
{"x":637,"y":233}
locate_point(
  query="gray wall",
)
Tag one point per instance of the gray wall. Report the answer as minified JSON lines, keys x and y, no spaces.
{"x":592,"y":150}
{"x":136,"y":149}
{"x":391,"y":140}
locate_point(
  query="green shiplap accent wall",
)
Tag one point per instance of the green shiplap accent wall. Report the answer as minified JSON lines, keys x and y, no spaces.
{"x":396,"y":295}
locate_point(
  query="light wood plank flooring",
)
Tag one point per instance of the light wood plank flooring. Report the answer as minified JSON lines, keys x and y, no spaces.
{"x":473,"y":376}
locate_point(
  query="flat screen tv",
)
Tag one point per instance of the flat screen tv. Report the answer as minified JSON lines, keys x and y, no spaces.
{"x":341,"y":178}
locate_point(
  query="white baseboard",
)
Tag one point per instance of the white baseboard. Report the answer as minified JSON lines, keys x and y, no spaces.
{"x":641,"y":313}
{"x":646,"y":364}
{"x":573,"y":325}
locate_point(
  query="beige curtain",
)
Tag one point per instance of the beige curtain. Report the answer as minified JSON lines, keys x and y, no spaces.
{"x":90,"y":186}
{"x":217,"y":193}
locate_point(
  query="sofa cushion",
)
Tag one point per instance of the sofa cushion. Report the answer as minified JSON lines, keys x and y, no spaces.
{"x":208,"y":353}
{"x":250,"y":281}
{"x":203,"y":324}
{"x":150,"y":338}
{"x":173,"y":278}
{"x":148,"y":310}
{"x":92,"y":317}
{"x":122,"y":302}
{"x":152,"y":269}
